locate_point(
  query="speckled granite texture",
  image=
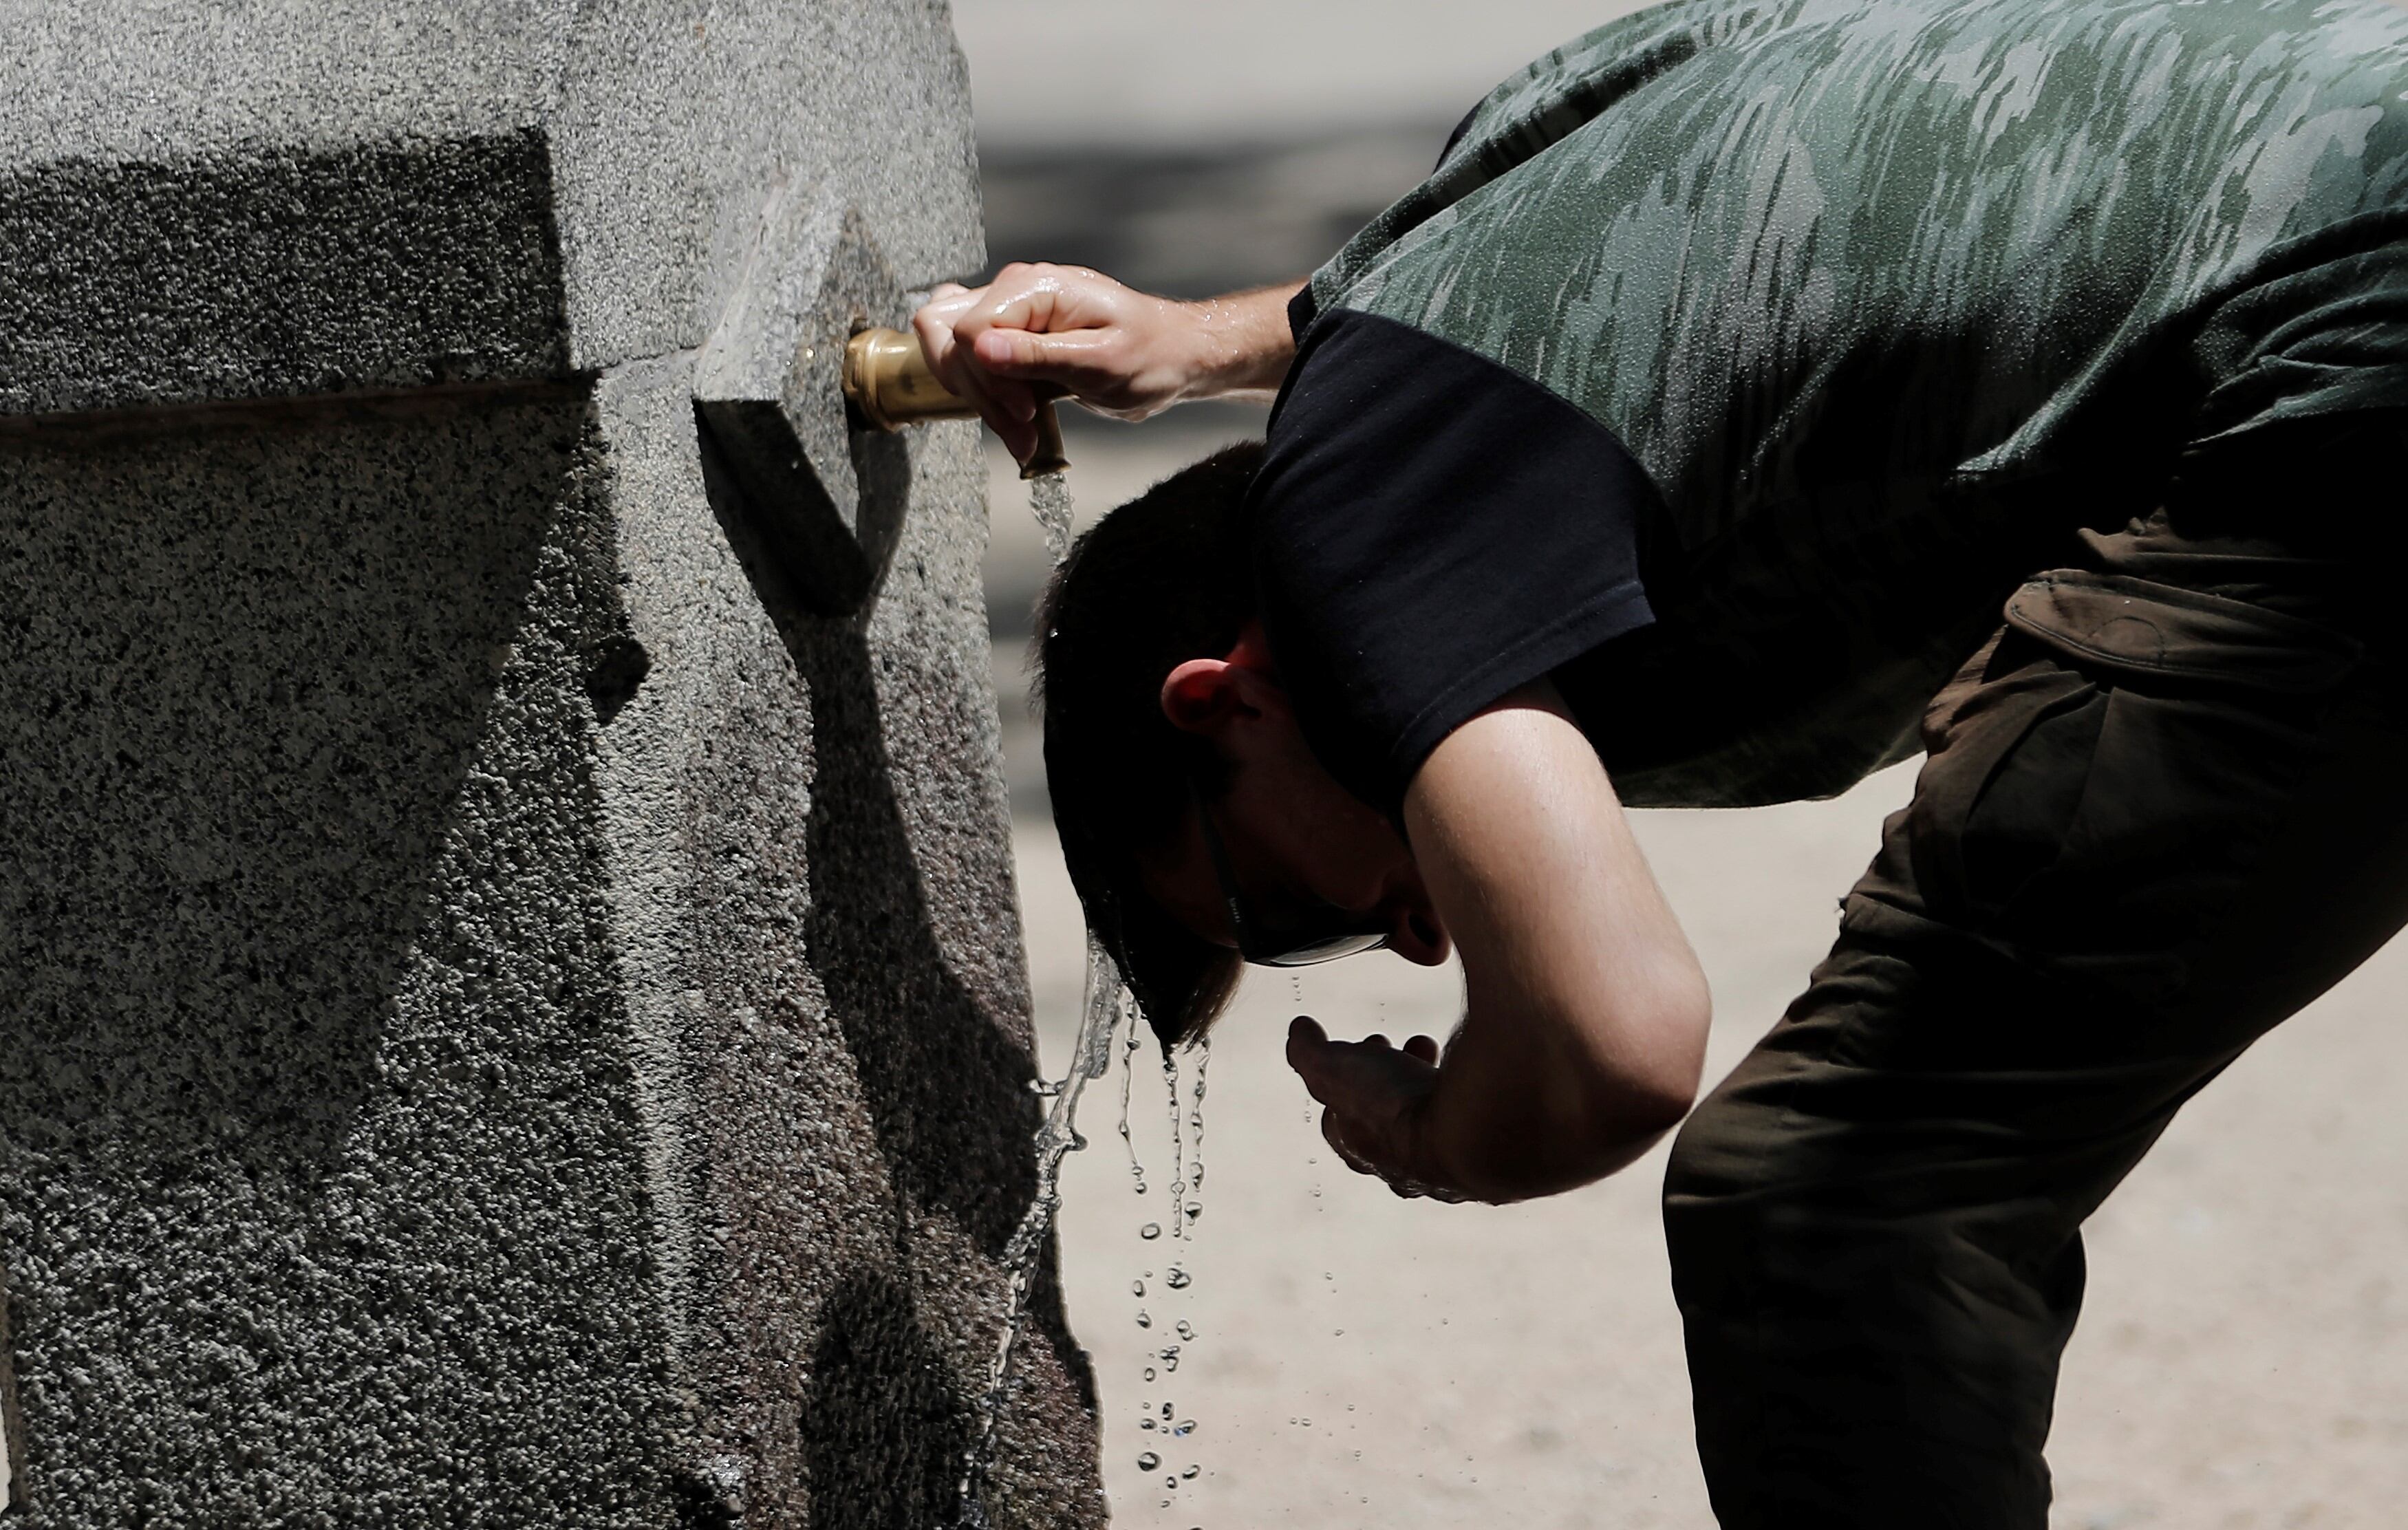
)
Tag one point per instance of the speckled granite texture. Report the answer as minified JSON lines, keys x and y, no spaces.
{"x":288,"y":197}
{"x":512,"y":1015}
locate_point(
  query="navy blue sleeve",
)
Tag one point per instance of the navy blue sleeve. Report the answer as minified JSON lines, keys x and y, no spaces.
{"x":1431,"y":530}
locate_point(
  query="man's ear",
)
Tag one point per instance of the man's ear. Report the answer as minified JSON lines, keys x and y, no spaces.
{"x":1203,"y":696}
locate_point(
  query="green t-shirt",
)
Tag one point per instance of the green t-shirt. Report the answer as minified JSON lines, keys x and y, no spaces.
{"x":1886,"y":297}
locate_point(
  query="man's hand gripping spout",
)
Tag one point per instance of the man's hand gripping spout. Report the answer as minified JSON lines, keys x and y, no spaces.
{"x":1373,"y":1095}
{"x":1037,"y":332}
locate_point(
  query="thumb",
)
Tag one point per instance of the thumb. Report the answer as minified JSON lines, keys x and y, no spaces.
{"x":1033,"y":356}
{"x":1308,"y":1054}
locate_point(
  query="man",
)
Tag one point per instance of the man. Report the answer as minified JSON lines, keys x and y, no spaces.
{"x":1753,"y":396}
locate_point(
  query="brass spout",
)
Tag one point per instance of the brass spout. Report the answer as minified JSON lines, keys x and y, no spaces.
{"x":888,"y":380}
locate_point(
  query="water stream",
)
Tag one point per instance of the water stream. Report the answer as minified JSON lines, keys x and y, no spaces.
{"x":1049,"y":500}
{"x":1105,"y":1009}
{"x":1091,"y":1057}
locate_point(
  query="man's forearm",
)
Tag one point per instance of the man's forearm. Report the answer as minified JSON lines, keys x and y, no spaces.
{"x":1522,"y":1111}
{"x":1586,"y":1009}
{"x":1244,"y":345}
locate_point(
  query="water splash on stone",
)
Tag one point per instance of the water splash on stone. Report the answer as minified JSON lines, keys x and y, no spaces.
{"x":1091,"y":1056}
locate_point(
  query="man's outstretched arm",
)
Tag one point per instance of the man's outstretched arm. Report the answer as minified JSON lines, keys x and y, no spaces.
{"x":1584,"y":1027}
{"x":1117,"y":350}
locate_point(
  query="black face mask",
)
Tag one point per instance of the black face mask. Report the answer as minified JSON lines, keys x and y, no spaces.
{"x":1298,"y":936}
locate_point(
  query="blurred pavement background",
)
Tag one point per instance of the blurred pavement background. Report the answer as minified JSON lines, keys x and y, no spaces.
{"x":1359,"y":1361}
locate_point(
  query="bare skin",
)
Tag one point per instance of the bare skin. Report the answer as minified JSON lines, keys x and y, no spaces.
{"x":1585,"y":1015}
{"x":1119,"y":352}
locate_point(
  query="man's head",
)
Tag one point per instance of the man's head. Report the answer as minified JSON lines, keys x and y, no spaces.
{"x":1194,"y":817}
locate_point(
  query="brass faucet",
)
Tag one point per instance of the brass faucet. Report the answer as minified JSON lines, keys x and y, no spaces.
{"x":889,"y":382}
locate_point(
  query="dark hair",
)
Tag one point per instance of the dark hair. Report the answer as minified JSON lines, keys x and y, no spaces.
{"x":1160,"y":580}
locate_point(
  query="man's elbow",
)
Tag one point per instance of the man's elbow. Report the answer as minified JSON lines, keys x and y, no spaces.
{"x":1649,"y":1086}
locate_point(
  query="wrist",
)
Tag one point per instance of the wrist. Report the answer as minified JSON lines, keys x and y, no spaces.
{"x":1241,"y":344}
{"x":1432,"y":1158}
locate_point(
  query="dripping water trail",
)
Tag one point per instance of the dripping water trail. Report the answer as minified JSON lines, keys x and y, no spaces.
{"x":1049,"y":501}
{"x":1090,"y":1056}
{"x":1178,"y":1144}
{"x":1128,"y":1078}
{"x":1195,"y":1207}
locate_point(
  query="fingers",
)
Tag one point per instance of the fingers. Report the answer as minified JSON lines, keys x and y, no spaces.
{"x":1087,"y":363}
{"x":1006,"y":405}
{"x":1318,"y":1062}
{"x":1106,"y":346}
{"x":1309,"y":1052}
{"x":1365,"y":1079}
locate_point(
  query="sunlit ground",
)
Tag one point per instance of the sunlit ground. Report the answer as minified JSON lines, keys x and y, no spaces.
{"x":1362,"y":1361}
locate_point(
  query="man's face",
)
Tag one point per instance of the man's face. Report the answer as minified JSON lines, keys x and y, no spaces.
{"x":1298,"y":845}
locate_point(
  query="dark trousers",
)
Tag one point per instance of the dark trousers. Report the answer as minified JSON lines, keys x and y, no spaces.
{"x":2164,"y":808}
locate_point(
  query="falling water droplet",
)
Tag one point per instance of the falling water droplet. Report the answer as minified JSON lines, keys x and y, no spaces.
{"x":1148,"y":1461}
{"x":1165,"y":1411}
{"x":1151,"y":1230}
{"x":1149,"y":1375}
{"x":1188,"y":1426}
{"x":1143,"y":1319}
{"x":1177,"y":1279}
{"x":1186,"y":1329}
{"x":1191,"y":1471}
{"x":1145,"y":1423}
{"x":1137,"y":1288}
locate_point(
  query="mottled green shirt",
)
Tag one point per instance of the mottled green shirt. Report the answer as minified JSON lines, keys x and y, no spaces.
{"x":1886,"y":297}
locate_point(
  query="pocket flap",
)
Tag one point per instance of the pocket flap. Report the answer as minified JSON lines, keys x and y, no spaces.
{"x":2133,"y":624}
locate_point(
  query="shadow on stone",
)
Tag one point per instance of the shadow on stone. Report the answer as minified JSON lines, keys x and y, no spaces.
{"x":945,"y":1087}
{"x":884,"y":1433}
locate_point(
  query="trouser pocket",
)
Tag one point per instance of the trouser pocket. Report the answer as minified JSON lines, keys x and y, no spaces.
{"x":2101,"y":776}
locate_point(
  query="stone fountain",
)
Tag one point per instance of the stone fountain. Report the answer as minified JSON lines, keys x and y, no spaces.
{"x":514,"y":1012}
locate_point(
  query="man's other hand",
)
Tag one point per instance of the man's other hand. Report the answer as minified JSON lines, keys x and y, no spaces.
{"x":1037,"y":330}
{"x":1372,"y":1094}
